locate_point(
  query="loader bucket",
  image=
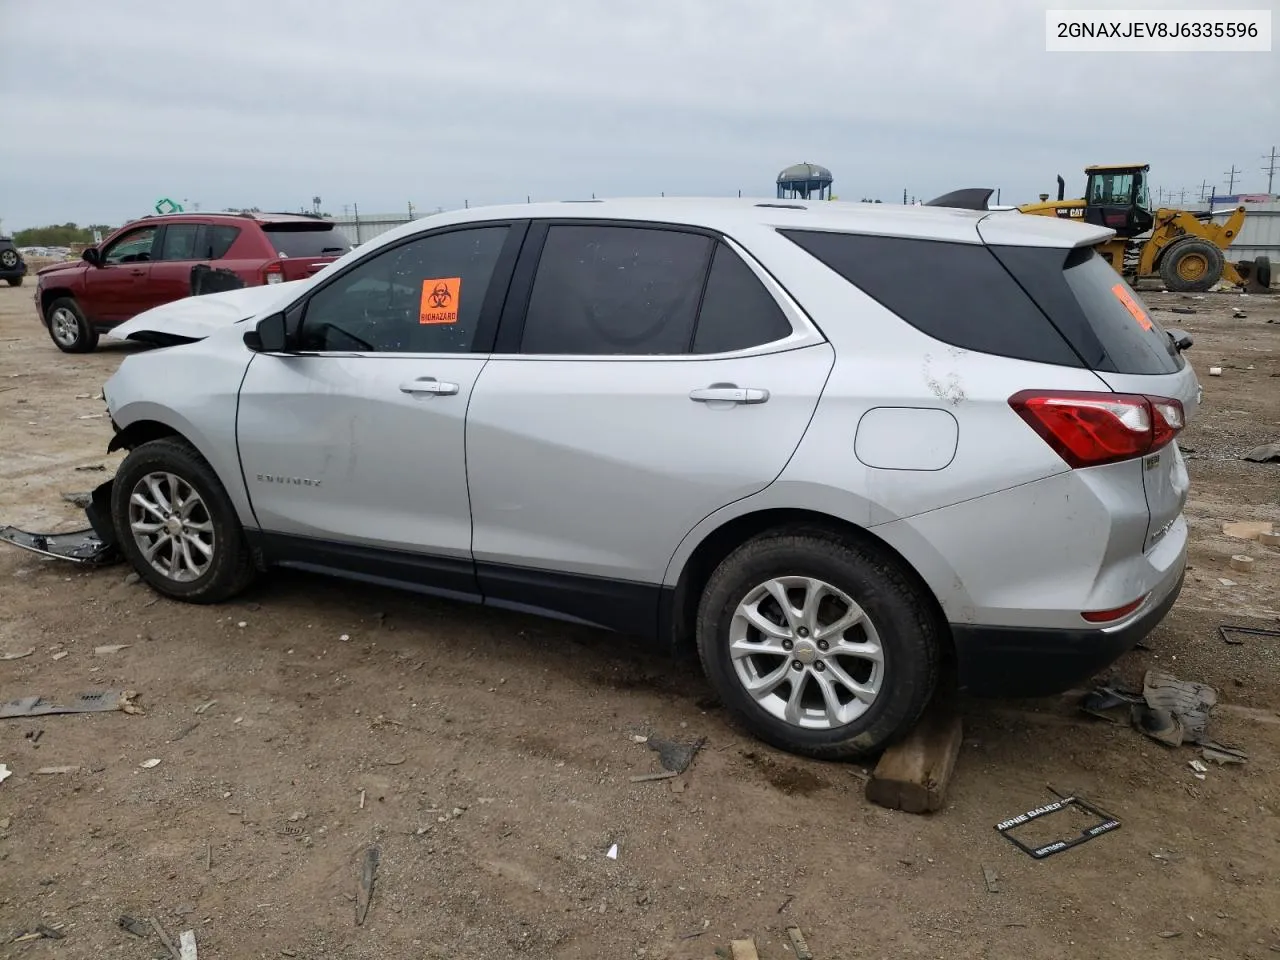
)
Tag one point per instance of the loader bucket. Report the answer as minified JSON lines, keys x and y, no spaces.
{"x":1255,"y":274}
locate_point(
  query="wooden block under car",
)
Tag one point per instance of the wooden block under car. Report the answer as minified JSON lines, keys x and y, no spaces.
{"x":913,"y":774}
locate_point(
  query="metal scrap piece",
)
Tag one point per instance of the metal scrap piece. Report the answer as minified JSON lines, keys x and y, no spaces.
{"x":102,"y":701}
{"x":368,"y":872}
{"x":798,"y":944}
{"x":1189,"y":702}
{"x":80,"y":546}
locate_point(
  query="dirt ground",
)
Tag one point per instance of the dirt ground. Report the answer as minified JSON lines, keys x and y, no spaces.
{"x":488,"y":756}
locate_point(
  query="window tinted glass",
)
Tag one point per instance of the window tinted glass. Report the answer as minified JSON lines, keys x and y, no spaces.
{"x":179,"y":242}
{"x":737,"y":311}
{"x":218,"y":240}
{"x":306,"y":239}
{"x":133,"y":247}
{"x":1077,"y":289}
{"x":607,"y":290}
{"x":954,"y":292}
{"x":420,"y":297}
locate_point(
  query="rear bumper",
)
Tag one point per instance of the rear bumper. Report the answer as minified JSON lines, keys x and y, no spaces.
{"x":1026,"y":662}
{"x":12,"y":274}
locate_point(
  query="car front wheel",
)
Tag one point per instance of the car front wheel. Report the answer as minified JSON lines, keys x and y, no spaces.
{"x":176,"y":525}
{"x":819,"y":645}
{"x":68,"y":327}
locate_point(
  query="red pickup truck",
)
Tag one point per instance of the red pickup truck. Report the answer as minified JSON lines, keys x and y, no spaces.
{"x":155,"y":260}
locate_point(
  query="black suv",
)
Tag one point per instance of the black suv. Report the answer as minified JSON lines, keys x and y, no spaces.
{"x":12,"y":267}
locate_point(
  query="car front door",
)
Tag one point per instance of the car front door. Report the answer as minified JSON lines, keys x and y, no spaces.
{"x":116,"y":289}
{"x":353,"y":448}
{"x":170,"y":277}
{"x":654,"y":377}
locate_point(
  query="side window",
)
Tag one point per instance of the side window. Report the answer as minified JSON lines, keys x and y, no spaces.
{"x":179,"y":242}
{"x":133,"y":247}
{"x":606,"y":290}
{"x":420,"y":297}
{"x":737,"y":311}
{"x":217,"y":241}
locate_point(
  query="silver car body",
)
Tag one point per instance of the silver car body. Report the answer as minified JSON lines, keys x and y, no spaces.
{"x":601,"y":468}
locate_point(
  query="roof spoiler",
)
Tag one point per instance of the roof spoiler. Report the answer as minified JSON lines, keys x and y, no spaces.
{"x":969,"y":198}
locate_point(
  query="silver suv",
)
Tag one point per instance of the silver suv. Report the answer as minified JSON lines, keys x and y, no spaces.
{"x":837,"y":447}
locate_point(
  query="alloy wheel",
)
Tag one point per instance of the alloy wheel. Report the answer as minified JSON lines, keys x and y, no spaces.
{"x":171,"y":526}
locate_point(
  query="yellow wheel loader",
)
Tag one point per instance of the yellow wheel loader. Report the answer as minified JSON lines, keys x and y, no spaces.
{"x":1186,"y":250}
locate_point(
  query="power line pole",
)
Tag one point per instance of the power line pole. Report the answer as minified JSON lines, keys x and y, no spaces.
{"x":1231,"y":179}
{"x":1182,"y":197}
{"x":904,"y":196}
{"x":1204,"y":190}
{"x":1270,"y":168}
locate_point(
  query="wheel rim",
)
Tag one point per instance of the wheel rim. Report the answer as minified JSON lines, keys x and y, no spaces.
{"x":1193,"y":266}
{"x":9,"y":259}
{"x":65,"y":327}
{"x":806,"y":653}
{"x":171,"y":526}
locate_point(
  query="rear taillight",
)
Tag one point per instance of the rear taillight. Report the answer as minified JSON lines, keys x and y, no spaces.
{"x":1106,"y":616}
{"x":1089,"y":429}
{"x":273,"y":272}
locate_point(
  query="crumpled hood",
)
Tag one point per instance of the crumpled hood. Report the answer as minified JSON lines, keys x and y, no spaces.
{"x":194,"y":318}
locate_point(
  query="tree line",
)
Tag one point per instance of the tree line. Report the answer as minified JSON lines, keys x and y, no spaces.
{"x":55,"y":235}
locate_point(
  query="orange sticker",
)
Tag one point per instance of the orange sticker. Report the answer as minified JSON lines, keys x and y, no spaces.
{"x":1125,"y":297}
{"x":440,"y":300}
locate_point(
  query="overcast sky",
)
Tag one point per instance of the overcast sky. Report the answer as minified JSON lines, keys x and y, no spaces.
{"x":110,"y":105}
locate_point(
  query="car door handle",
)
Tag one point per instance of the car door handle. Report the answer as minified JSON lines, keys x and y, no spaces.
{"x":137,"y":273}
{"x":729,"y":393}
{"x":430,"y":385}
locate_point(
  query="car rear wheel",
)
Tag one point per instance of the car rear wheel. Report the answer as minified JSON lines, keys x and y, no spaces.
{"x":68,"y":328}
{"x":819,"y":645}
{"x":176,"y":525}
{"x":8,"y":259}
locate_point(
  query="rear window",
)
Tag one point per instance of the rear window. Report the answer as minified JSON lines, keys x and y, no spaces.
{"x":306,"y":239}
{"x":954,"y":292}
{"x":1098,"y":313}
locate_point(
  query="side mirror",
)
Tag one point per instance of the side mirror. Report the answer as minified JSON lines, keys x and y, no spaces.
{"x":270,"y":335}
{"x":91,"y":256}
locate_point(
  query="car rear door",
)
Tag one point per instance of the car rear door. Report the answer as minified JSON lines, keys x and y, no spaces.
{"x":353,"y":449}
{"x":622,"y":406}
{"x":179,"y":250}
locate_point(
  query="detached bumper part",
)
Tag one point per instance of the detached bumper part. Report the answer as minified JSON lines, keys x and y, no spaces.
{"x":93,"y":546}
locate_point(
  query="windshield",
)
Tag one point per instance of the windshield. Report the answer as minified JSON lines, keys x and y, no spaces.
{"x":307,"y":239}
{"x":1110,"y":189}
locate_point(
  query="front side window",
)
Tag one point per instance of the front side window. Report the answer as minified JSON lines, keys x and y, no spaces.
{"x":179,"y":242}
{"x":133,"y":247}
{"x":615,"y":290}
{"x":423,"y":296}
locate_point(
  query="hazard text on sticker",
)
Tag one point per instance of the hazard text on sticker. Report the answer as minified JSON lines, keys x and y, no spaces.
{"x":440,"y":298}
{"x":1125,"y":297}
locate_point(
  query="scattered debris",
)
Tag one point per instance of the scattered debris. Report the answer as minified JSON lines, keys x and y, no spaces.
{"x":1198,"y":767}
{"x":1225,"y":582}
{"x":395,"y":761}
{"x":187,"y":945}
{"x":1233,"y":635}
{"x":54,"y":771}
{"x":675,"y":756}
{"x":361,"y":799}
{"x":150,"y":764}
{"x":648,"y":777}
{"x":59,"y":655}
{"x":17,"y":656}
{"x":41,"y":932}
{"x":1267,"y":453}
{"x":131,"y":579}
{"x":1242,"y":562}
{"x":639,"y":738}
{"x":1183,"y":309}
{"x":1170,"y":934}
{"x":165,"y":939}
{"x":1238,"y":314}
{"x":1177,"y":708}
{"x":612,"y":853}
{"x":1223,"y":755}
{"x":1215,"y":371}
{"x":797,"y":943}
{"x":368,"y":872}
{"x":1246,"y":529}
{"x":786,"y":903}
{"x":139,"y":928}
{"x":5,"y":773}
{"x":1105,"y":825}
{"x":1269,"y":539}
{"x":204,"y":707}
{"x":992,"y":879}
{"x":1098,"y":703}
{"x":189,"y":728}
{"x":744,"y":949}
{"x":78,"y":499}
{"x":101,"y":702}
{"x":110,"y":648}
{"x":92,"y":468}
{"x":80,"y":546}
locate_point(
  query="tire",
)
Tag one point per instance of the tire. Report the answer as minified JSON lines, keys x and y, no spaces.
{"x":8,"y":259}
{"x":1262,"y":271}
{"x":68,"y":328}
{"x":15,"y":281}
{"x":898,"y":618}
{"x":163,"y":472}
{"x":1191,"y":266}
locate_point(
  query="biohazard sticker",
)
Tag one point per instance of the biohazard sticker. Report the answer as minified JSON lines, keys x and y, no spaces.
{"x":440,"y":300}
{"x":1126,"y":298}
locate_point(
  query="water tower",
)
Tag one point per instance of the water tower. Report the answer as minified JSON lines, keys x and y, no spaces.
{"x":804,"y":181}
